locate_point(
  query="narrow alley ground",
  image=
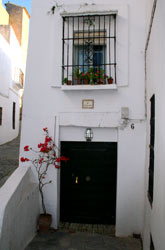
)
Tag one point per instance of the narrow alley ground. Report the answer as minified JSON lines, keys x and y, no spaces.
{"x":61,"y":240}
{"x":9,"y":159}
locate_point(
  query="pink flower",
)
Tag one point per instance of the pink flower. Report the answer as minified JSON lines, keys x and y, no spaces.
{"x":58,"y":159}
{"x":40,"y":145}
{"x":26,"y":148}
{"x":48,"y":139}
{"x":24,"y":159}
{"x":41,"y":160}
{"x":63,"y":158}
{"x":56,"y":166}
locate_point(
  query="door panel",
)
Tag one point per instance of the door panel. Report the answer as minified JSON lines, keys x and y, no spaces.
{"x":88,"y":182}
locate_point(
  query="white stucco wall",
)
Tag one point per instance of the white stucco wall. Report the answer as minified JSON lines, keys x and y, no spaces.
{"x":154,"y":217}
{"x":10,"y":58}
{"x":46,"y":104}
{"x":19,"y":210}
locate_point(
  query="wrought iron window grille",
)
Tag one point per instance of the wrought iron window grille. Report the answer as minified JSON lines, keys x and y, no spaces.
{"x":89,"y":49}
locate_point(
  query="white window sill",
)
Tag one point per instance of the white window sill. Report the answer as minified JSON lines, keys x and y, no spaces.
{"x":88,"y":87}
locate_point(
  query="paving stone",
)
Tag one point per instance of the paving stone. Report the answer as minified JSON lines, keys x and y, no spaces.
{"x":82,"y":241}
{"x":9,"y":159}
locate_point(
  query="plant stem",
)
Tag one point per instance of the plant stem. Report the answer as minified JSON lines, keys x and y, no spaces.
{"x":42,"y":198}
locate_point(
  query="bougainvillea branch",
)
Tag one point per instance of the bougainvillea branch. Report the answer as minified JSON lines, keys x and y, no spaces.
{"x":46,"y":156}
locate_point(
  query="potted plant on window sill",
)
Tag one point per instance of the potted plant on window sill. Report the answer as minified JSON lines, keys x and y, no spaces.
{"x":100,"y":76}
{"x":110,"y":80}
{"x":84,"y":77}
{"x":45,"y":157}
{"x":77,"y":75}
{"x":66,"y":81}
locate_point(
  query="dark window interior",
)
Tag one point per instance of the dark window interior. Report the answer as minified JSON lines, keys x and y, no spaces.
{"x":151,"y":244}
{"x":0,"y":116}
{"x":14,"y":113}
{"x":152,"y":141}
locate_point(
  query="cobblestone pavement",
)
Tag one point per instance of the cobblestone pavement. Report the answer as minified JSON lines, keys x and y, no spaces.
{"x":90,"y":228}
{"x":9,"y":158}
{"x":61,"y":240}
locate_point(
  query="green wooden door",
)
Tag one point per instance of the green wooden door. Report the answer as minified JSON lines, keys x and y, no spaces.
{"x":88,"y":182}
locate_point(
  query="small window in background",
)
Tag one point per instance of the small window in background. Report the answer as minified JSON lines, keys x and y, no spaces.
{"x":0,"y":116}
{"x":151,"y":244}
{"x":14,"y":113}
{"x":152,"y":141}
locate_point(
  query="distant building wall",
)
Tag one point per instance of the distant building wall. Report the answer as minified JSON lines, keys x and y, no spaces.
{"x":155,"y":64}
{"x":15,"y":19}
{"x":12,"y":70}
{"x":5,"y":32}
{"x":10,"y":59}
{"x":25,"y":34}
{"x":4,"y":16}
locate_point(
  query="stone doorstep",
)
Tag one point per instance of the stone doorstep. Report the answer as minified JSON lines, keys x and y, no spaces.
{"x":90,"y":228}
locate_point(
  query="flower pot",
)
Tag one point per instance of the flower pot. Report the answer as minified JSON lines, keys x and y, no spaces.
{"x":44,"y":222}
{"x":110,"y":81}
{"x":86,"y":81}
{"x":69,"y":82}
{"x":100,"y":81}
{"x":78,"y":81}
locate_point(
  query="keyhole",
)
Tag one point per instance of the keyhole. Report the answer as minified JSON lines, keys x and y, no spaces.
{"x":76,"y":181}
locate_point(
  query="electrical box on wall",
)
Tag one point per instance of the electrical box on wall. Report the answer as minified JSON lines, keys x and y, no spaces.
{"x":124,"y":113}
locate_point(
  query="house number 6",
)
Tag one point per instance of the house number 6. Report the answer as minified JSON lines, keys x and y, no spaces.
{"x":132,"y":126}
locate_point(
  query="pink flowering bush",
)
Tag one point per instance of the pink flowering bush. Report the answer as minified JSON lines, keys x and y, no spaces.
{"x":45,"y":157}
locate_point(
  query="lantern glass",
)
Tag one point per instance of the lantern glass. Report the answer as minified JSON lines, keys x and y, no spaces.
{"x":88,"y":134}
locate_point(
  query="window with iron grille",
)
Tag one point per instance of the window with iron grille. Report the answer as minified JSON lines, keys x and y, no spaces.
{"x":89,"y":49}
{"x":151,"y":159}
{"x":0,"y":116}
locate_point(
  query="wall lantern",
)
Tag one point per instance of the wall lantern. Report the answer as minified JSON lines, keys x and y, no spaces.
{"x":88,"y":134}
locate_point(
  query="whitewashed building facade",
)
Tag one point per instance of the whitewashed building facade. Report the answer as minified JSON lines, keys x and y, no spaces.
{"x":14,"y":25}
{"x":115,"y":113}
{"x":153,"y":234}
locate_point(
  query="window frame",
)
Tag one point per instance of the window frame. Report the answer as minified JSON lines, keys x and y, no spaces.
{"x":73,"y":37}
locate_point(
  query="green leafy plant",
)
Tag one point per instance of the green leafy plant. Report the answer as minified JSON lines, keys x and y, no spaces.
{"x":65,"y":80}
{"x":77,"y":73}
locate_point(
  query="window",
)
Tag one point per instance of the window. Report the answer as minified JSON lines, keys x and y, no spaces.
{"x":18,"y":77}
{"x":151,"y":244}
{"x":21,"y":78}
{"x":89,"y":48}
{"x":152,"y":141}
{"x":0,"y":116}
{"x":14,"y":113}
